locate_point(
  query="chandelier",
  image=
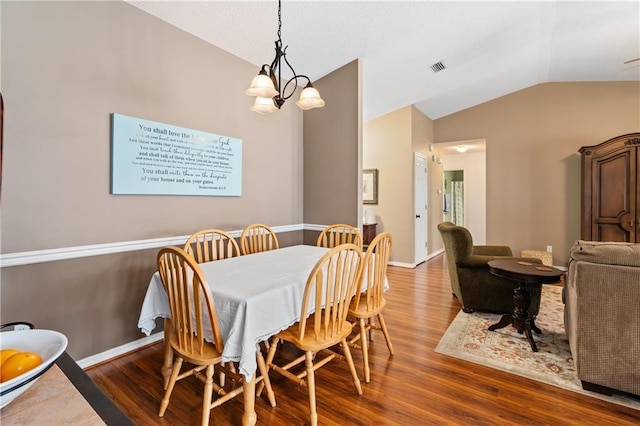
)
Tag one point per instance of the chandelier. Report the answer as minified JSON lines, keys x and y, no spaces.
{"x":268,"y":89}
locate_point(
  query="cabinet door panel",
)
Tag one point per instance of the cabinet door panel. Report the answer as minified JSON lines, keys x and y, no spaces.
{"x":613,"y":197}
{"x":636,"y":190}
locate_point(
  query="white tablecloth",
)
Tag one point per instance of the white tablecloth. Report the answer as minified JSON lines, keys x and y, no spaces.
{"x":255,"y":296}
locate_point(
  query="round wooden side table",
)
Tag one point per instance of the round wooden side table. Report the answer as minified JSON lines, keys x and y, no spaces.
{"x":523,"y":273}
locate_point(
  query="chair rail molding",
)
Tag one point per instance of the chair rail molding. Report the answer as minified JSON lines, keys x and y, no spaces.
{"x":65,"y":253}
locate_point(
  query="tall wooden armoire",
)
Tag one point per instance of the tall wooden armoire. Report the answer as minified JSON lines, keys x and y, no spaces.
{"x":611,"y":190}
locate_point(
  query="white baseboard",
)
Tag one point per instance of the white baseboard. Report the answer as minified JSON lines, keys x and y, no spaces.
{"x":402,"y":264}
{"x":119,"y":351}
{"x":435,"y":253}
{"x":413,"y":265}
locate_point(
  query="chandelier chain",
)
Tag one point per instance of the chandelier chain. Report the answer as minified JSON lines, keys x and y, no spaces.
{"x":279,"y":19}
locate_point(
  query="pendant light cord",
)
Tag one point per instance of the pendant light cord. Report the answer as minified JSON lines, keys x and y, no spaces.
{"x":279,"y":20}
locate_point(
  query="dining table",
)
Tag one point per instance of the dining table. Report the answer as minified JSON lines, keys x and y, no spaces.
{"x":255,"y":296}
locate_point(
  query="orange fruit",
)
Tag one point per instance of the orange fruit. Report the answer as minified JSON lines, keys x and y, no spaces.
{"x":6,"y":353}
{"x":18,"y":364}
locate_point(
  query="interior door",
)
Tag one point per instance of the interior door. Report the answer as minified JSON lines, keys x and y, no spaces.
{"x":420,"y":207}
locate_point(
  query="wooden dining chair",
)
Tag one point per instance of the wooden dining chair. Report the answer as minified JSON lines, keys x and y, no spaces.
{"x":192,"y":306}
{"x":337,"y":234}
{"x":208,"y":245}
{"x":258,"y":237}
{"x":371,"y":302}
{"x":329,"y":290}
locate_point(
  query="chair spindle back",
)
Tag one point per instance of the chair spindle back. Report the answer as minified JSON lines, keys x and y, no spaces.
{"x":257,"y":238}
{"x":189,"y":298}
{"x":337,"y":234}
{"x":330,"y":287}
{"x":208,"y":245}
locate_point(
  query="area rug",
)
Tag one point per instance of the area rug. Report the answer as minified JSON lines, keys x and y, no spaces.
{"x":467,"y":338}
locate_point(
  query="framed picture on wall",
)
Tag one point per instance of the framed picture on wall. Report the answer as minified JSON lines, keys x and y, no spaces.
{"x":370,"y":186}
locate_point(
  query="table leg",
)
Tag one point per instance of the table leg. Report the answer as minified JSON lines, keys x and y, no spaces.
{"x":521,"y":319}
{"x":249,"y":416}
{"x":521,"y":316}
{"x":521,"y":302}
{"x":506,"y":320}
{"x":168,"y":353}
{"x":534,"y":327}
{"x":527,"y":332}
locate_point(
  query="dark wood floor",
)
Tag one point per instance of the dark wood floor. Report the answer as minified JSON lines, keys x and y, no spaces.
{"x":415,"y":386}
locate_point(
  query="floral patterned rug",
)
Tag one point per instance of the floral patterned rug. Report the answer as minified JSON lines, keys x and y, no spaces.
{"x":467,"y":338}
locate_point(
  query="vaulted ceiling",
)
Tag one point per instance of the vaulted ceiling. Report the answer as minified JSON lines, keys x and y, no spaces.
{"x":488,"y":49}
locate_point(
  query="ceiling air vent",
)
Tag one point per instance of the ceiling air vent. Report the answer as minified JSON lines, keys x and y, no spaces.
{"x":437,"y":67}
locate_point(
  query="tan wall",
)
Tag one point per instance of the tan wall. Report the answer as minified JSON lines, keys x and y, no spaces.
{"x":421,"y":139}
{"x":533,"y":168}
{"x":332,"y":151}
{"x":67,"y":66}
{"x":389,"y":144}
{"x":94,"y":301}
{"x":387,"y":147}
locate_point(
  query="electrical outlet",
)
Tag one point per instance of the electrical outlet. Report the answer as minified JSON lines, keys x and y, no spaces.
{"x":20,"y":327}
{"x":549,"y":249}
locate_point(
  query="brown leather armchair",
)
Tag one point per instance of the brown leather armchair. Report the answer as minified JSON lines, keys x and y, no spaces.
{"x":471,"y":282}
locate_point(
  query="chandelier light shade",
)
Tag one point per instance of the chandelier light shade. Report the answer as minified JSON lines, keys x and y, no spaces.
{"x":268,"y":87}
{"x":310,"y":98}
{"x":262,"y":86}
{"x":263,"y":105}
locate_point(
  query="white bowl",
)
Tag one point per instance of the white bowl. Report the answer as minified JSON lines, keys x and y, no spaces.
{"x":46,"y":343}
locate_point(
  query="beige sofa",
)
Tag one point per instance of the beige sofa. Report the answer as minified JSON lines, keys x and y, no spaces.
{"x":602,"y":315}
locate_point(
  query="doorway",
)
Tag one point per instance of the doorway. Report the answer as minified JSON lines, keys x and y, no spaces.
{"x":472,"y":163}
{"x":454,"y":197}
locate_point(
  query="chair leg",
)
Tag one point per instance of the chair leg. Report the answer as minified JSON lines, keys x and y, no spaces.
{"x":270,"y":355}
{"x":168,"y":353}
{"x":365,"y":350}
{"x":208,"y":393}
{"x":352,"y":367}
{"x":383,"y":326}
{"x":311,"y":384}
{"x":265,"y":378}
{"x":266,"y":345}
{"x":272,"y":352}
{"x":222,"y":378}
{"x":172,"y":382}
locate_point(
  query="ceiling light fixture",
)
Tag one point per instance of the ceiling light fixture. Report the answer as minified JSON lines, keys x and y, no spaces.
{"x":268,"y":89}
{"x":462,"y":148}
